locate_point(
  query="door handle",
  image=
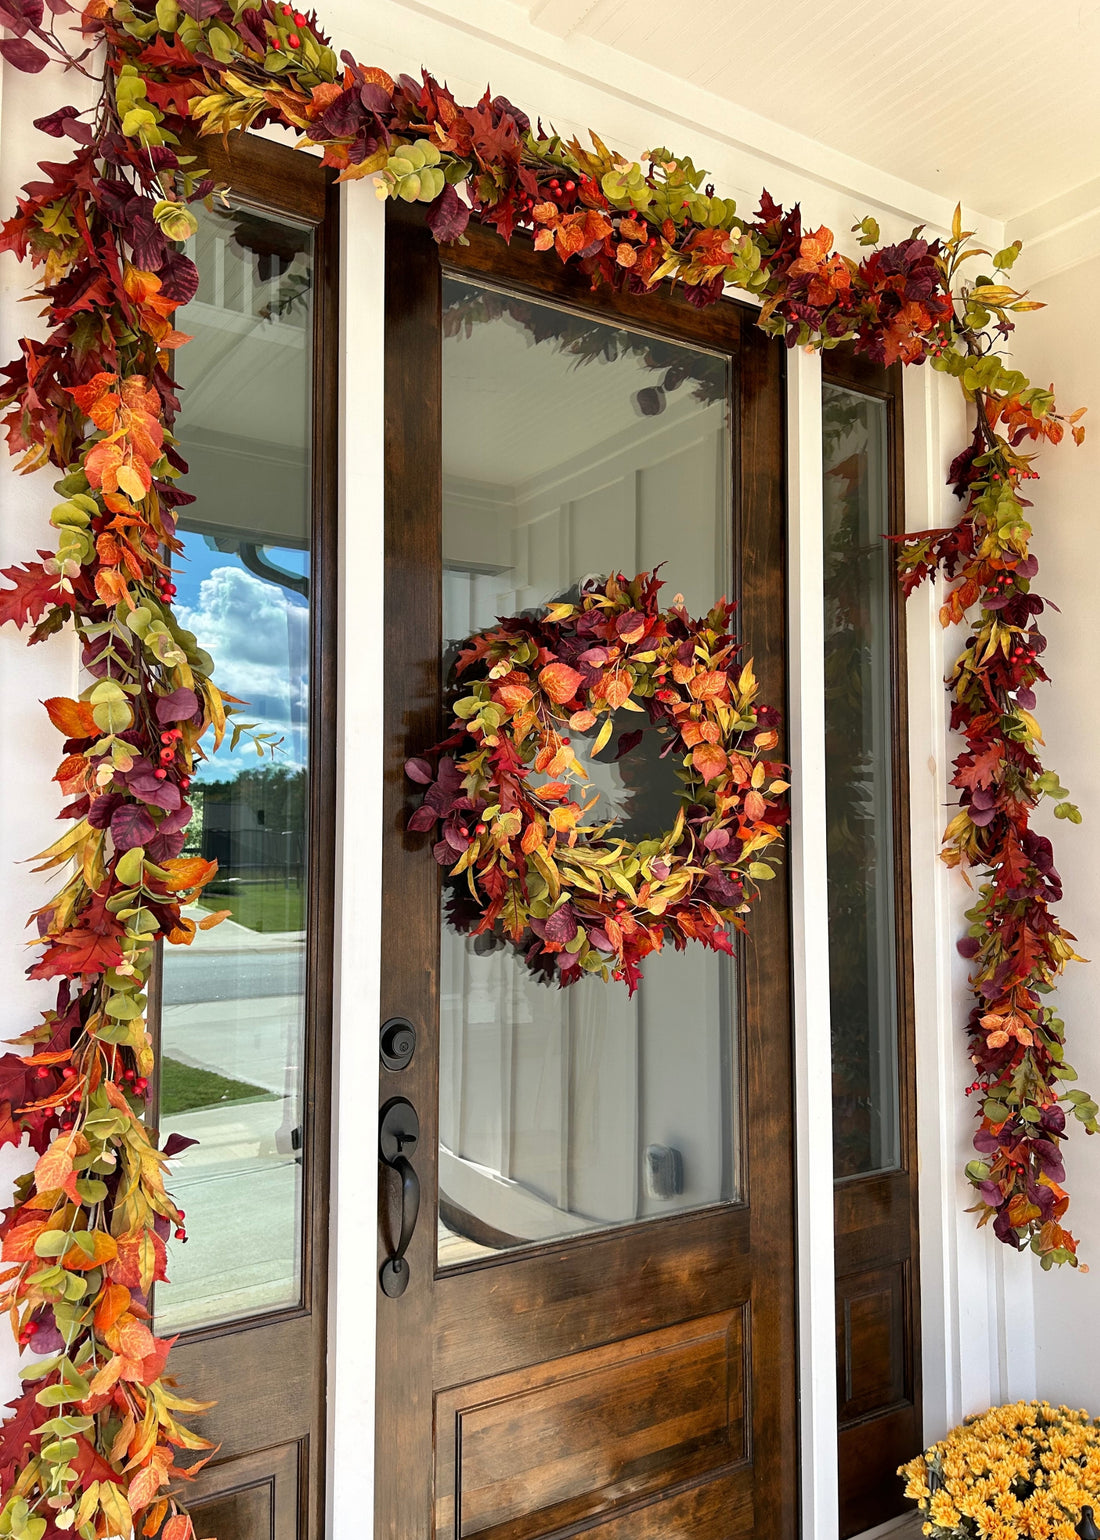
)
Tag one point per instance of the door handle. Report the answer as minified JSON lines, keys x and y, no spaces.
{"x":398,"y":1132}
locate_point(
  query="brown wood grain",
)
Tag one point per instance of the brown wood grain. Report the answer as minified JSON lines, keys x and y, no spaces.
{"x":525,"y":1315}
{"x":875,"y":1216}
{"x":527,"y":1453}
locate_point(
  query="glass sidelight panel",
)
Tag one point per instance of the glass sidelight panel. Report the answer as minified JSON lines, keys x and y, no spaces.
{"x":232,"y":1015}
{"x":573,"y":447}
{"x":859,"y":719}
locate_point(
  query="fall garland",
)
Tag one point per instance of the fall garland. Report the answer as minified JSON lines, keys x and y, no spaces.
{"x":576,"y":900}
{"x":90,"y":1443}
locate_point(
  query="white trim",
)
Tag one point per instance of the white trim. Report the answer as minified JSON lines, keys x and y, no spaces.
{"x":354,"y":1185}
{"x":976,"y":1309}
{"x":810,"y":948}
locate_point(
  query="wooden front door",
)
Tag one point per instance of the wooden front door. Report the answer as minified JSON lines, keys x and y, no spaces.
{"x":244,"y":1011}
{"x":598,"y":1331}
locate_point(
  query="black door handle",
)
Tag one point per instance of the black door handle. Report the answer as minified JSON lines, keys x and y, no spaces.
{"x":398,"y":1132}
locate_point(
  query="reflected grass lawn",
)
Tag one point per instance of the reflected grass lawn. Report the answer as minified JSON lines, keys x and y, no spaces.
{"x":185,"y":1089}
{"x":277,"y":905}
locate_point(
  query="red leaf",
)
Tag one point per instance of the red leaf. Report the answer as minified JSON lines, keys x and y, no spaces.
{"x":35,"y":591}
{"x":77,"y":951}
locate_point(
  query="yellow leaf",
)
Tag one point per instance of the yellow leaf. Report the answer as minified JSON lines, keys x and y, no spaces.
{"x":601,"y":737}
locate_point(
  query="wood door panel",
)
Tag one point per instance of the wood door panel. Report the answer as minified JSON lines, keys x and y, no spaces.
{"x":877,"y":1446}
{"x":524,"y":1454}
{"x":598,"y":1385}
{"x":870,"y":1323}
{"x":257,"y":1496}
{"x":600,"y":1289}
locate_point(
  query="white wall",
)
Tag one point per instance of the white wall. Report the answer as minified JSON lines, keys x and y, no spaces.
{"x":1060,"y":344}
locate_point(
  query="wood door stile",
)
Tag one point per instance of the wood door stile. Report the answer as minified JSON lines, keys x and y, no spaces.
{"x":268,"y":1477}
{"x":875,"y":1216}
{"x":627,"y":1384}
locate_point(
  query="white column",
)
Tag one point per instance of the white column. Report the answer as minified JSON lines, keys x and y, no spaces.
{"x":810,"y":942}
{"x":352,"y":1261}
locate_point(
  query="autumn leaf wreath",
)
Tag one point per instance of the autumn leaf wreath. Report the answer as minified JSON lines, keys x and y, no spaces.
{"x":574,"y":896}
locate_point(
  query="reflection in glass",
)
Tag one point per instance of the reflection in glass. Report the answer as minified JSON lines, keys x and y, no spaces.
{"x":232,"y":1018}
{"x":572,"y":447}
{"x":859,"y":783}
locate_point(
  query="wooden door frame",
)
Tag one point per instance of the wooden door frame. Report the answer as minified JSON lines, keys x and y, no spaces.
{"x":404,"y":1460}
{"x":876,"y":1216}
{"x":277,"y":179}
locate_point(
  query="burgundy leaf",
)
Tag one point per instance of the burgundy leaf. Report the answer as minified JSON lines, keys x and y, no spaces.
{"x":341,"y":120}
{"x":448,"y":216}
{"x":19,"y":15}
{"x":561,"y":927}
{"x":24,"y":55}
{"x":628,"y":741}
{"x":180,"y":706}
{"x":179,"y":278}
{"x":175,"y":1144}
{"x":200,"y":10}
{"x":419,"y":770}
{"x":130,"y":826}
{"x":423,"y":818}
{"x":66,"y":120}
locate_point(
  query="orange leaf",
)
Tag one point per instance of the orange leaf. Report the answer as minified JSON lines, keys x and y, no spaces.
{"x":97,"y":399}
{"x":564,"y":817}
{"x":111,"y":587}
{"x":188,"y":872}
{"x":111,"y":1304}
{"x":514,"y":695}
{"x":616,"y":690}
{"x":560,"y":682}
{"x":105,"y":1249}
{"x":709,"y":686}
{"x":135,"y":1339}
{"x":214,"y":919}
{"x":581,"y":721}
{"x":178,"y":1528}
{"x":709,"y":760}
{"x":755,"y":806}
{"x":144,"y":1487}
{"x":72,"y":717}
{"x":54,"y":1169}
{"x":533,"y":837}
{"x":19,"y":1243}
{"x":70,"y":773}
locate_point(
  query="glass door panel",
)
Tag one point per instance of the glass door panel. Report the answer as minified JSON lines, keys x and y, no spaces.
{"x":572,"y":447}
{"x":859,"y":783}
{"x":232,"y":1027}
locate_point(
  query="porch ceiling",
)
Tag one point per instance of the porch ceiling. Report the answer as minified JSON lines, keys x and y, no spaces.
{"x":997,"y":105}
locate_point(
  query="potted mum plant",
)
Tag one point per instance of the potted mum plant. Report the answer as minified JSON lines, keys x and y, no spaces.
{"x":1026,"y":1470}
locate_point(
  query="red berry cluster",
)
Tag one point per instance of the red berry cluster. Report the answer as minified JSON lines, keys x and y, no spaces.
{"x":299,"y":20}
{"x":169,"y":738}
{"x":138,"y":1083}
{"x":1024,"y":652}
{"x":28,"y":1333}
{"x":167,"y":587}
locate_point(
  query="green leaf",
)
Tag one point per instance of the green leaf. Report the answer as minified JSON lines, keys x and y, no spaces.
{"x":129,"y":864}
{"x":52,"y":1243}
